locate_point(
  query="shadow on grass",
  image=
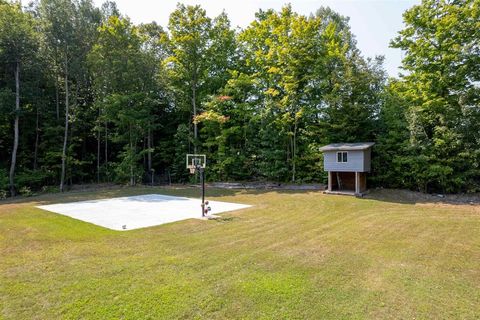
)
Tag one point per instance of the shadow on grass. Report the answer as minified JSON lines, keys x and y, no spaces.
{"x":221,"y":219}
{"x":412,"y":197}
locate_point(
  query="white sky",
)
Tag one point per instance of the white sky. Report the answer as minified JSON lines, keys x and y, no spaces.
{"x":374,"y":22}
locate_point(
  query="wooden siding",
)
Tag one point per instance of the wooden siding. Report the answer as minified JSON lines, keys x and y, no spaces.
{"x":358,"y":161}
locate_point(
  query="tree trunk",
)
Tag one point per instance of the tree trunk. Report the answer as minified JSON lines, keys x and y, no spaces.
{"x":57,"y":98}
{"x":149,"y":146}
{"x":294,"y":151}
{"x":133,"y":163}
{"x":131,"y":160}
{"x":98,"y":155}
{"x":194,"y":105}
{"x":106,"y":150}
{"x":16,"y":134}
{"x":144,"y":147}
{"x":65,"y":137}
{"x":37,"y":137}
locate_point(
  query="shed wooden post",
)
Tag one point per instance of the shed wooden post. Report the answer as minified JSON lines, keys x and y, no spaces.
{"x":357,"y":182}
{"x":329,"y":180}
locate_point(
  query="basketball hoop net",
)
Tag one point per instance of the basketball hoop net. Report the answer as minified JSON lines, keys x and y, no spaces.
{"x":195,"y":162}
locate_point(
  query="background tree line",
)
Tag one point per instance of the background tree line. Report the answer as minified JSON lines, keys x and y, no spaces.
{"x":88,"y":96}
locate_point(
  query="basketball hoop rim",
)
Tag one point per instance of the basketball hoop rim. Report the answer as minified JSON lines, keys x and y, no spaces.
{"x":194,"y":166}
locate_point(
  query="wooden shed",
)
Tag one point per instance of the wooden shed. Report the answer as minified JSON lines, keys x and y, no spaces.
{"x":347,"y":165}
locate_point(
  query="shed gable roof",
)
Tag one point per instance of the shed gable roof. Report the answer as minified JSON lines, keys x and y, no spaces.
{"x":347,"y":146}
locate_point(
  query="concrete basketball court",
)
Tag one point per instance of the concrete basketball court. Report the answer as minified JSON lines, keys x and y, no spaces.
{"x":138,"y":211}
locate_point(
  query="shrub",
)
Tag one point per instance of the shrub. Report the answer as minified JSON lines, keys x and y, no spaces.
{"x":50,"y":189}
{"x":33,"y":179}
{"x":26,"y":191}
{"x":3,"y":179}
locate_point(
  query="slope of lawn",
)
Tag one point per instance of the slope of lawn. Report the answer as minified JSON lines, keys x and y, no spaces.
{"x":294,"y":255}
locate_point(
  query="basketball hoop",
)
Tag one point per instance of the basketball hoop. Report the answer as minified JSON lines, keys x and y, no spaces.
{"x":197,"y":162}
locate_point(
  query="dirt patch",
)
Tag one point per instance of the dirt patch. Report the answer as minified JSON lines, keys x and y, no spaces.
{"x":8,"y":208}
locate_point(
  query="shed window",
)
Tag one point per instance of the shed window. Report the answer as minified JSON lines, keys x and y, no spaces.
{"x":342,"y":156}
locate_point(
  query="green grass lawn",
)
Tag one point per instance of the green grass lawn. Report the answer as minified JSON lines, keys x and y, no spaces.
{"x":294,"y":255}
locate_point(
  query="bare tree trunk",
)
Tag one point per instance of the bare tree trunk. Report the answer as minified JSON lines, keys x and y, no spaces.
{"x":98,"y":155}
{"x":144,"y":146}
{"x":106,"y":150}
{"x":16,"y":133}
{"x":57,"y":98}
{"x":149,"y":146}
{"x":194,"y":105}
{"x":65,"y":137}
{"x":37,"y":136}
{"x":98,"y":147}
{"x":294,"y":151}
{"x":133,"y":166}
{"x":135,"y":143}
{"x":195,"y":129}
{"x":132,"y":182}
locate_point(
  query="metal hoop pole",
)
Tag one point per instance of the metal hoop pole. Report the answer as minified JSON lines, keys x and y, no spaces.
{"x":202,"y":178}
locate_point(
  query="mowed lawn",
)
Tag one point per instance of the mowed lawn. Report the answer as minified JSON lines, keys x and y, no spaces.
{"x":294,"y":255}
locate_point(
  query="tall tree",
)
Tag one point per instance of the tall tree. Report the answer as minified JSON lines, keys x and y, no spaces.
{"x":70,"y":29}
{"x":313,"y":87}
{"x":59,"y":29}
{"x":200,"y":55}
{"x":442,"y":55}
{"x":126,"y":89}
{"x":154,"y":51}
{"x":18,"y":41}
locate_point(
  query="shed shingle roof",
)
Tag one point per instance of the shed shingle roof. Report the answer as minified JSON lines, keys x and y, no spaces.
{"x":347,"y":146}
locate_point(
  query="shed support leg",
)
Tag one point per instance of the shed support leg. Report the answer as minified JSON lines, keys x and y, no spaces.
{"x":330,"y":180}
{"x":357,"y":183}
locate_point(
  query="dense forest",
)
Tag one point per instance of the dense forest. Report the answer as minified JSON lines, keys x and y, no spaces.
{"x":86,"y":96}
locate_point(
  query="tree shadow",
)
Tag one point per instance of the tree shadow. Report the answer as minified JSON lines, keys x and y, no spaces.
{"x":221,"y":219}
{"x":415,"y":197}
